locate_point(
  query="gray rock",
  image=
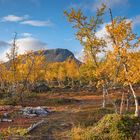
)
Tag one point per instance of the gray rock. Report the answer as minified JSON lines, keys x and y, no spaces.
{"x":34,"y":111}
{"x":41,"y":87}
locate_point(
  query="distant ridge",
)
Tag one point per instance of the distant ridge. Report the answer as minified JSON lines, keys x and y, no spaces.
{"x":54,"y":55}
{"x":58,"y":55}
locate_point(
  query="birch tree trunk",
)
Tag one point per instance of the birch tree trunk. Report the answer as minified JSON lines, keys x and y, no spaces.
{"x":127,"y":101}
{"x":122,"y":105}
{"x":104,"y":97}
{"x":137,"y":114}
{"x":113,"y":102}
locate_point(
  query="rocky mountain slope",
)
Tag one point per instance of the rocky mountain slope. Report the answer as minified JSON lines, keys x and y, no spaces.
{"x":58,"y":55}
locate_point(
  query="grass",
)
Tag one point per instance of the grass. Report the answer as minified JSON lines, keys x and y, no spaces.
{"x":110,"y":127}
{"x":89,"y":118}
{"x":60,"y":101}
{"x":15,"y":100}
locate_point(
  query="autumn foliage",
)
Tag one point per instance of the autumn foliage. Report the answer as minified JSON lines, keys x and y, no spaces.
{"x":119,"y":66}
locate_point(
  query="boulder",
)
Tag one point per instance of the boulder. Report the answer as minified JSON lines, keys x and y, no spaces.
{"x":34,"y":111}
{"x":39,"y":88}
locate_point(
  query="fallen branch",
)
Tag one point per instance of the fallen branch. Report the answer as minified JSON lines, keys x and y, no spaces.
{"x":33,"y":126}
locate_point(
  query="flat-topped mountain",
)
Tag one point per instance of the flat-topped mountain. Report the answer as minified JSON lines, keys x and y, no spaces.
{"x":58,"y":55}
{"x":55,"y":55}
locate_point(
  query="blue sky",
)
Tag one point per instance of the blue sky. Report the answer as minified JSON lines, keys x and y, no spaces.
{"x":41,"y":23}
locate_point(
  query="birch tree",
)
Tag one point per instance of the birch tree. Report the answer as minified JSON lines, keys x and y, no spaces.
{"x":123,"y":41}
{"x":87,"y":35}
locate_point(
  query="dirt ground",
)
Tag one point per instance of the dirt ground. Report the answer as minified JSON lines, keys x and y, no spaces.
{"x":67,"y":110}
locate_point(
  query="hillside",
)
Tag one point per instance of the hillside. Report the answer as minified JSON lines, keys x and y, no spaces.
{"x":55,"y":55}
{"x":58,"y":55}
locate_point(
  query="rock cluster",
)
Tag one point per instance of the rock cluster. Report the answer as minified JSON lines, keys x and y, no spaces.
{"x":34,"y":111}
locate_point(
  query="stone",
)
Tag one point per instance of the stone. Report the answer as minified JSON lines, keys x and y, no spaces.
{"x":41,"y":87}
{"x":34,"y":111}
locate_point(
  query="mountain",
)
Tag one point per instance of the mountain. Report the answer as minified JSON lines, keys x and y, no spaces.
{"x":59,"y":55}
{"x":55,"y":55}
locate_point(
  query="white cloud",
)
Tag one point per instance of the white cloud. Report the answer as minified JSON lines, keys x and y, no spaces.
{"x":23,"y":20}
{"x":102,"y":33}
{"x":30,"y":43}
{"x":3,"y":44}
{"x":83,"y":6}
{"x":25,"y":44}
{"x":92,"y":6}
{"x":14,"y":18}
{"x":37,"y":23}
{"x":109,"y":3}
{"x":80,"y":55}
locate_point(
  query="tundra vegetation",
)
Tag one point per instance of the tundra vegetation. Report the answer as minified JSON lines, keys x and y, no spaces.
{"x":118,"y":69}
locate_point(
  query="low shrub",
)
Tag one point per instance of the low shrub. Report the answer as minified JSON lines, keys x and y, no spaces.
{"x":12,"y":132}
{"x":60,"y":101}
{"x":10,"y":101}
{"x":110,"y":127}
{"x":30,"y":95}
{"x":86,"y":119}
